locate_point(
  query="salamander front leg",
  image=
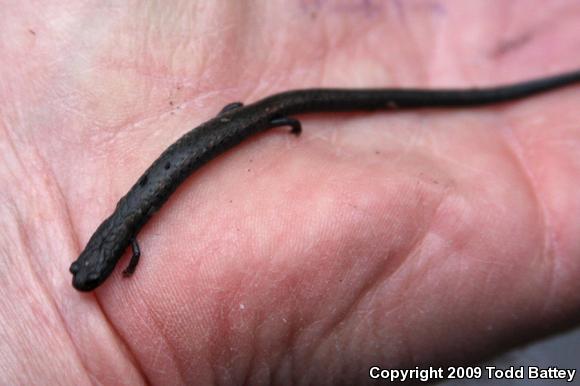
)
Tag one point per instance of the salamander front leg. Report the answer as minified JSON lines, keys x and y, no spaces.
{"x":230,"y":107}
{"x":293,"y":123}
{"x":134,"y":258}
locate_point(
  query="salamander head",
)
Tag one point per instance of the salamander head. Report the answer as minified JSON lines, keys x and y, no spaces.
{"x":89,"y":271}
{"x":83,"y":279}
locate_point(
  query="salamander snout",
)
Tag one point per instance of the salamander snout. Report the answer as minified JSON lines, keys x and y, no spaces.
{"x":82,"y":280}
{"x":85,"y":283}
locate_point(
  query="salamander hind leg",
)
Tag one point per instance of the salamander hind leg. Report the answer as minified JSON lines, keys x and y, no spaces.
{"x":134,"y":258}
{"x":285,"y":121}
{"x":230,"y":107}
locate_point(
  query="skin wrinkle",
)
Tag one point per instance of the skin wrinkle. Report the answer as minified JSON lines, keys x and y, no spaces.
{"x":212,"y":60}
{"x":22,"y":233}
{"x":250,"y":368}
{"x":147,"y":116}
{"x":294,"y":326}
{"x":77,"y":351}
{"x":252,"y":371}
{"x":257,"y":327}
{"x":142,"y":317}
{"x":253,"y":88}
{"x":162,"y":333}
{"x":406,"y":350}
{"x":216,"y":352}
{"x":19,"y":162}
{"x":289,"y":340}
{"x":8,"y":207}
{"x":549,"y":244}
{"x":126,"y":347}
{"x":257,"y":357}
{"x":386,"y":268}
{"x":120,"y":132}
{"x":27,"y":241}
{"x":259,"y":351}
{"x":158,"y":347}
{"x":159,"y":354}
{"x":296,"y":335}
{"x":347,"y":312}
{"x":287,"y":359}
{"x":236,"y":336}
{"x":47,"y":294}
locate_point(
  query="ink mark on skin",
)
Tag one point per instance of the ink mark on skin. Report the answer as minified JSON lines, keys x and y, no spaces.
{"x":507,"y":46}
{"x":435,"y":7}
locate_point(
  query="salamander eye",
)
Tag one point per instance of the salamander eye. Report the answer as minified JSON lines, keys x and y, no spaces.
{"x":74,"y":268}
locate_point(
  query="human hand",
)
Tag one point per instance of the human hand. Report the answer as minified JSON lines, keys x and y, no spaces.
{"x":392,"y":239}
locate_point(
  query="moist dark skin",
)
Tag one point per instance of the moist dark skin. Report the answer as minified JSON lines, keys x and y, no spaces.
{"x":236,"y":123}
